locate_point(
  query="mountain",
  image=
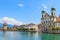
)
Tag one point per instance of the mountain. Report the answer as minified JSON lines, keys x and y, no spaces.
{"x":10,"y":21}
{"x":8,"y":25}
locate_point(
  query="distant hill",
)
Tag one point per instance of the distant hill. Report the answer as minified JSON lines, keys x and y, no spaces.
{"x":8,"y":25}
{"x":10,"y":21}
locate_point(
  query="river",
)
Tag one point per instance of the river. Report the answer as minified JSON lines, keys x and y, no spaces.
{"x":16,"y":35}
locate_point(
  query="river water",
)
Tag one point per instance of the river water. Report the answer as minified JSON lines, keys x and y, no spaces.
{"x":16,"y":35}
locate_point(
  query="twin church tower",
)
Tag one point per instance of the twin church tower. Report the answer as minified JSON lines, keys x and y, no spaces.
{"x":53,"y":12}
{"x":49,"y":21}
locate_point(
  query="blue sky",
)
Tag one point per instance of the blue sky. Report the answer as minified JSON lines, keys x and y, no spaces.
{"x":27,"y":11}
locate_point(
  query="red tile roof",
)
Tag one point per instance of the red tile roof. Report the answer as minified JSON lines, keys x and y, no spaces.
{"x":58,"y":20}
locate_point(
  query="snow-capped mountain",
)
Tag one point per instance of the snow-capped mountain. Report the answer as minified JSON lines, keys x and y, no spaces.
{"x":10,"y":21}
{"x":8,"y":25}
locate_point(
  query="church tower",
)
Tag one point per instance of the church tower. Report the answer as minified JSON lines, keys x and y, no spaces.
{"x":53,"y":11}
{"x":4,"y":26}
{"x":43,"y":11}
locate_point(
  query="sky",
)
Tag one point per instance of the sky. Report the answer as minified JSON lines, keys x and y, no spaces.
{"x":27,"y":11}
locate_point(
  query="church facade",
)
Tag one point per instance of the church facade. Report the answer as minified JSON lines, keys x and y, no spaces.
{"x":49,"y":21}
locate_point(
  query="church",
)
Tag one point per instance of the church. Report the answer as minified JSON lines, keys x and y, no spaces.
{"x":49,"y":21}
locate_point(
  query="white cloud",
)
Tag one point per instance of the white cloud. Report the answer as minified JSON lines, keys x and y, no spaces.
{"x":21,"y":5}
{"x":44,"y":6}
{"x":0,"y":19}
{"x":10,"y":21}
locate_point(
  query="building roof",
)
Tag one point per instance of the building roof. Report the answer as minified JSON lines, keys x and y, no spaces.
{"x":43,"y":11}
{"x":51,"y":16}
{"x":58,"y":20}
{"x":31,"y":24}
{"x":53,"y":8}
{"x":39,"y":24}
{"x":23,"y":26}
{"x":46,"y":15}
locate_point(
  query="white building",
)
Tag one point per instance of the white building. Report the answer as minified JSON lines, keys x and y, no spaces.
{"x":34,"y":26}
{"x":57,"y":23}
{"x":49,"y":21}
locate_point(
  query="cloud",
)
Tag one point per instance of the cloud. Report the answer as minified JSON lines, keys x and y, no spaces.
{"x":0,"y":19}
{"x":11,"y":21}
{"x":44,"y":6}
{"x":21,"y":5}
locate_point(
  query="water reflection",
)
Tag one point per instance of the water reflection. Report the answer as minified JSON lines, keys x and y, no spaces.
{"x":13,"y":35}
{"x":16,"y":35}
{"x":50,"y":37}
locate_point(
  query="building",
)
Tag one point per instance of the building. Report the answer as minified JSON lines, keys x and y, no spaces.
{"x":5,"y":26}
{"x":57,"y":23}
{"x":49,"y":21}
{"x":39,"y":27}
{"x":34,"y":26}
{"x":29,"y":27}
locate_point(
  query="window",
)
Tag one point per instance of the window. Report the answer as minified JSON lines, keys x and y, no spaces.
{"x":51,"y":18}
{"x":46,"y":21}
